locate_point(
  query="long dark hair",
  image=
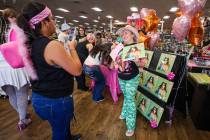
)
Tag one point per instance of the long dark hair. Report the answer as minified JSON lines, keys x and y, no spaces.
{"x":27,"y":13}
{"x":104,"y":50}
{"x":3,"y":27}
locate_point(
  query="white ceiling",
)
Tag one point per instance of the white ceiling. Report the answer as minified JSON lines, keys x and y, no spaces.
{"x":119,"y":9}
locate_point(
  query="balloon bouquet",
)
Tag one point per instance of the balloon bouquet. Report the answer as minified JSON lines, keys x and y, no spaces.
{"x":188,"y":21}
{"x":151,"y":21}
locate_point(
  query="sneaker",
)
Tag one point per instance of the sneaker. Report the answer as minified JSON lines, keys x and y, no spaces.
{"x":76,"y":137}
{"x":100,"y":100}
{"x":24,"y":123}
{"x":121,"y":117}
{"x":129,"y":133}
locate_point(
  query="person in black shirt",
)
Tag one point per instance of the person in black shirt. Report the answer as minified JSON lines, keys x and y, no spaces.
{"x":51,"y":92}
{"x":83,"y":54}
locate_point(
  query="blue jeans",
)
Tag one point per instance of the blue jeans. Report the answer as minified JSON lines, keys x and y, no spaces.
{"x":58,"y":112}
{"x":95,"y":73}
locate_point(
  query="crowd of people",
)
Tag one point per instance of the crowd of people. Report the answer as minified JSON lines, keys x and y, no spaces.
{"x":57,"y":61}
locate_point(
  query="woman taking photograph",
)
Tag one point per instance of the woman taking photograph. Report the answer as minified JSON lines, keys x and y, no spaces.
{"x":52,"y":91}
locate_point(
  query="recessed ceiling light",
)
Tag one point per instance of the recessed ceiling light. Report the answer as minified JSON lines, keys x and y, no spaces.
{"x":97,"y":9}
{"x":59,"y":17}
{"x":95,"y":25}
{"x":58,"y":21}
{"x":101,"y":27}
{"x":95,"y":21}
{"x":63,"y":10}
{"x":86,"y":23}
{"x":83,"y":16}
{"x":166,"y":17}
{"x":174,"y":9}
{"x":71,"y":23}
{"x":134,"y":9}
{"x":75,"y":20}
{"x":109,"y":16}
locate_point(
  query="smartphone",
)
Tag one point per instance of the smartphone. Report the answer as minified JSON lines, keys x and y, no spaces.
{"x":72,"y":34}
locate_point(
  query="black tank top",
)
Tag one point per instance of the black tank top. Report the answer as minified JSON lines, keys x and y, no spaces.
{"x":53,"y":82}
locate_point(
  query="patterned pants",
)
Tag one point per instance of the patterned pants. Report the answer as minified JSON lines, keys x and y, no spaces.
{"x":129,"y":88}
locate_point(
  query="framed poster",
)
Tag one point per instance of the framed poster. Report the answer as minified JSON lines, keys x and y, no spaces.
{"x":143,"y":104}
{"x":163,"y":89}
{"x":154,"y":112}
{"x":150,"y":82}
{"x":148,"y":57}
{"x":165,"y":63}
{"x":133,"y":52}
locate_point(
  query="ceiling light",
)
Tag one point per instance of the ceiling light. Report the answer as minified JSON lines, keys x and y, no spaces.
{"x":88,"y":27}
{"x":166,"y":17}
{"x":134,"y":9}
{"x":103,"y":24}
{"x":75,"y":20}
{"x":86,"y":23}
{"x":95,"y":25}
{"x":59,"y":17}
{"x":174,"y":9}
{"x":116,"y":21}
{"x":95,"y":20}
{"x":71,"y":23}
{"x":63,"y":10}
{"x":83,"y":16}
{"x":1,"y":10}
{"x":58,"y":21}
{"x":96,"y":9}
{"x":101,"y":27}
{"x":109,"y":16}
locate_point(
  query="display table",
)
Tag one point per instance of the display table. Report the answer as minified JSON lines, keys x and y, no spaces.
{"x":200,"y":102}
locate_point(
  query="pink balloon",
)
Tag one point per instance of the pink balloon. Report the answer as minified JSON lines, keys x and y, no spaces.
{"x":181,"y":27}
{"x":154,"y":37}
{"x":191,"y":7}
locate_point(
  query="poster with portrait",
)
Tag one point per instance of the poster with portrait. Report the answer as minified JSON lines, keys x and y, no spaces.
{"x":163,"y":89}
{"x":150,"y":82}
{"x":165,"y":63}
{"x":148,"y":58}
{"x":133,"y":52}
{"x":154,"y":113}
{"x":142,"y":74}
{"x":137,"y":97}
{"x":143,"y":104}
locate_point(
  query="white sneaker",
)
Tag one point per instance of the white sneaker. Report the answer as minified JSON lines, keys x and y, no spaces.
{"x":121,"y":117}
{"x":129,"y":133}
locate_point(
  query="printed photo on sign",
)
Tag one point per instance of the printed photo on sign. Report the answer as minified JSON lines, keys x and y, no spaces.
{"x":165,"y":63}
{"x":143,"y":104}
{"x":137,"y":97}
{"x":142,"y":77}
{"x":133,"y":52}
{"x":150,"y":82}
{"x":154,"y":113}
{"x":148,"y":58}
{"x":163,"y":89}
